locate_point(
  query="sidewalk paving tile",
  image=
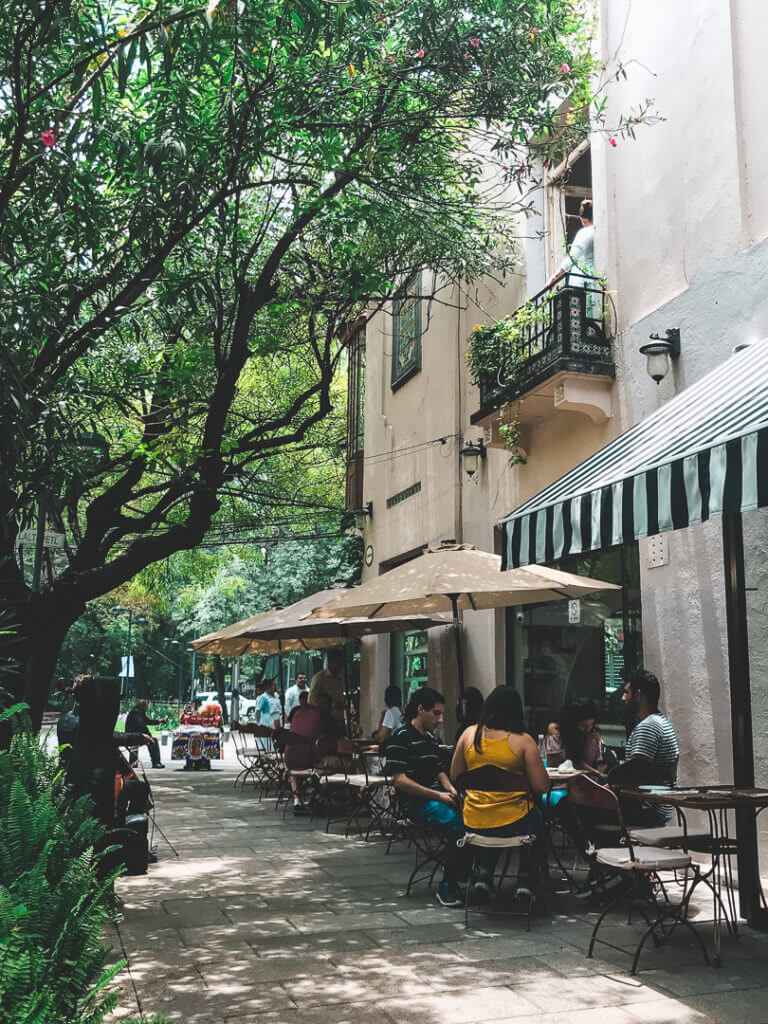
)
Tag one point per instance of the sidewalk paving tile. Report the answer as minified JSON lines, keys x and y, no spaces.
{"x":269,"y":921}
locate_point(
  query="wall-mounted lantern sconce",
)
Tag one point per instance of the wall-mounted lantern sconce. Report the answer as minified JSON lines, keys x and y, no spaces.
{"x":472,"y":452}
{"x":660,"y":351}
{"x":363,"y":514}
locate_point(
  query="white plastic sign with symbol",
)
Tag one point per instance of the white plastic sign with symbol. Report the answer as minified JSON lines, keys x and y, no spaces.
{"x":574,"y":611}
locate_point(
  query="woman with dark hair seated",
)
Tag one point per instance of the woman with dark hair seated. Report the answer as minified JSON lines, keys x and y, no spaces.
{"x":468,"y":710}
{"x":576,"y":737}
{"x":392,"y":716}
{"x":499,"y":739}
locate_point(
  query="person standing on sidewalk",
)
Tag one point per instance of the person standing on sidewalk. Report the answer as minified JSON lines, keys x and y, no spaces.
{"x":269,"y":710}
{"x":293,"y":693}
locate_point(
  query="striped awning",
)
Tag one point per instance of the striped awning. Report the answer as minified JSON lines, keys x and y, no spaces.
{"x":702,"y":454}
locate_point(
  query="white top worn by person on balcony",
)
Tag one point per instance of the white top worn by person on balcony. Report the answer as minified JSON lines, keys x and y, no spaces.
{"x":579,"y":264}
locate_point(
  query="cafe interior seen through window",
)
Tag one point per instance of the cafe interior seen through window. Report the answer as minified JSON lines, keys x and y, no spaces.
{"x":561,"y":650}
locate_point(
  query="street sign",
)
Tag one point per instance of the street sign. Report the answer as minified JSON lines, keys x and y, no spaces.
{"x":50,"y":539}
{"x":574,"y":611}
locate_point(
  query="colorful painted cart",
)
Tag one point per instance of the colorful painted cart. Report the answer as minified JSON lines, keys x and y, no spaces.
{"x":198,"y":743}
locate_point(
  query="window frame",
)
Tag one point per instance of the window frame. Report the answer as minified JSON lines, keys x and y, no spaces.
{"x":401,"y":373}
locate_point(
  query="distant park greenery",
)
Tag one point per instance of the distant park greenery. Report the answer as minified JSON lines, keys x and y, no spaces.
{"x":195,"y":204}
{"x":196,"y":592}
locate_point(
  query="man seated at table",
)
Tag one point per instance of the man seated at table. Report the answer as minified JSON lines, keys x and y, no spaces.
{"x":653,"y":740}
{"x":315,"y":740}
{"x":426,"y":793}
{"x":652,"y":749}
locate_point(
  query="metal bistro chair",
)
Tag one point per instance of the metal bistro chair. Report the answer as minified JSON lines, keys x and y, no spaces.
{"x":248,"y":758}
{"x":491,"y":779}
{"x":365,"y":786}
{"x":426,"y":841}
{"x":332,"y":785}
{"x":639,"y":867}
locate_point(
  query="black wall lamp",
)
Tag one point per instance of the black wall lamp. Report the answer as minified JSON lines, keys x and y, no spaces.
{"x":660,"y":351}
{"x":472,"y":452}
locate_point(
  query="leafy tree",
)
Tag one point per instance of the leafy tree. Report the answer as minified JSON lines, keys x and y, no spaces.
{"x":193,"y":204}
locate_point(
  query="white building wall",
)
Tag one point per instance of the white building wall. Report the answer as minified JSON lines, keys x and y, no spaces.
{"x":681,"y":224}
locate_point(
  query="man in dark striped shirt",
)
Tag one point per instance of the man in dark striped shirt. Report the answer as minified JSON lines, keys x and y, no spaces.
{"x":427,"y":794}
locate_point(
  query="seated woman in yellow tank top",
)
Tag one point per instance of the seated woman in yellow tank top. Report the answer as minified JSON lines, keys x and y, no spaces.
{"x":499,"y":739}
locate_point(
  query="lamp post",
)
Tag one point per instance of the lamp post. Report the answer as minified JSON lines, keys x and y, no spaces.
{"x":179,"y":648}
{"x":119,"y":610}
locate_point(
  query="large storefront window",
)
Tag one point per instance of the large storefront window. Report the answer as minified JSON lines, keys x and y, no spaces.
{"x":559,"y":650}
{"x":409,"y":661}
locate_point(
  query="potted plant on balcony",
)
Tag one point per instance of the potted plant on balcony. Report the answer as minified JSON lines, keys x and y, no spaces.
{"x":497,"y":351}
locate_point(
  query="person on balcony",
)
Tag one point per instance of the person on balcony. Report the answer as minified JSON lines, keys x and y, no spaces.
{"x":579,"y":264}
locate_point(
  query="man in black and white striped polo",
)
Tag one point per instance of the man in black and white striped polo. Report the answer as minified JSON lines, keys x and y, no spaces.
{"x":653,"y":739}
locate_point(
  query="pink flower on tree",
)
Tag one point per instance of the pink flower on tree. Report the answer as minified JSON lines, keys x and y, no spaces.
{"x":565,"y":68}
{"x":420,"y":53}
{"x":612,"y":142}
{"x":48,"y":139}
{"x":391,"y":60}
{"x":475,"y":41}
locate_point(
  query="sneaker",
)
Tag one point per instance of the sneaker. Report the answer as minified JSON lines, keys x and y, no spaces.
{"x":448,"y":896}
{"x":299,"y":808}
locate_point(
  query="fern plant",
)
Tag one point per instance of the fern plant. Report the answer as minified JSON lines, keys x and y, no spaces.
{"x":54,"y":900}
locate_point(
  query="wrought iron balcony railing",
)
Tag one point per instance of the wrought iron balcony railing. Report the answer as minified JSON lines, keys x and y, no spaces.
{"x":567,"y":332}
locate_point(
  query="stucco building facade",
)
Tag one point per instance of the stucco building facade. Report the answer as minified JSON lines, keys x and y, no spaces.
{"x":681,"y":236}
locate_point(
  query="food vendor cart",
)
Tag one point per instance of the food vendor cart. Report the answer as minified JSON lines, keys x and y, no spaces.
{"x":198,"y":738}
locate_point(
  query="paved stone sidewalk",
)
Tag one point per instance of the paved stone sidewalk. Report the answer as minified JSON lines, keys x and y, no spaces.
{"x":269,"y":920}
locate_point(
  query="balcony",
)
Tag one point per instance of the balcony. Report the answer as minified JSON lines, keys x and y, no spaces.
{"x":563,"y":361}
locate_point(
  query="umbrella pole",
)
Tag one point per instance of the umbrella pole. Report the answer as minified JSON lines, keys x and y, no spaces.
{"x":280,"y":671}
{"x":457,"y":635}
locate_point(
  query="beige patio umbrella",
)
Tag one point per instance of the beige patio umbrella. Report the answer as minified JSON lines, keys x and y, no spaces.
{"x":289,"y":629}
{"x":456,"y":577}
{"x":227,"y":642}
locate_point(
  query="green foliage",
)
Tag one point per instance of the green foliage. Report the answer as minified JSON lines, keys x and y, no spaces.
{"x":193,"y":207}
{"x":510,"y":435}
{"x":498,"y":350}
{"x":53,"y":903}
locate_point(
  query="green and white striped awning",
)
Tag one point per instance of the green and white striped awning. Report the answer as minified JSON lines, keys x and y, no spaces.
{"x":704,"y":453}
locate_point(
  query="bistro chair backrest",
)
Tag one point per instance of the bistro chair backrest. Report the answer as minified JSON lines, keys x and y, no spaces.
{"x":585,"y":792}
{"x":491,"y":779}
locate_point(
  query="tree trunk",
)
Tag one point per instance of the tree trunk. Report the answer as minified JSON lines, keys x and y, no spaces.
{"x":32,"y":647}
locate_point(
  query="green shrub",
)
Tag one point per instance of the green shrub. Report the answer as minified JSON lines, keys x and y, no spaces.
{"x":53,"y":900}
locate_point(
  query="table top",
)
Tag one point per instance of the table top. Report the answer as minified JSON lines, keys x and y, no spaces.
{"x":700,"y":797}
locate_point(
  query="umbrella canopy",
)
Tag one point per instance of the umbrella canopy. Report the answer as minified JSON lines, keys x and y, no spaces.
{"x":457,"y":577}
{"x":226,"y":641}
{"x":289,"y":629}
{"x":453,"y":578}
{"x":292,"y":628}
